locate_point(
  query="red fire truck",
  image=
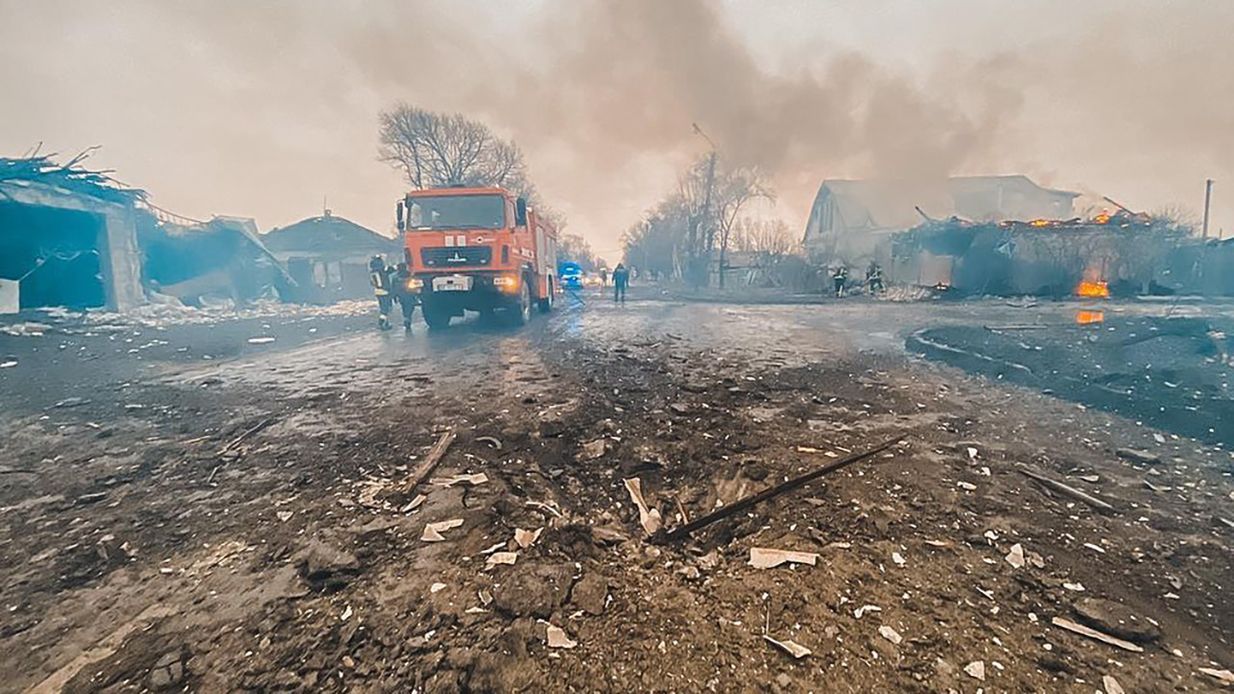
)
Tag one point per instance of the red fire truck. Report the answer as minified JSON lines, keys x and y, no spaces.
{"x":477,"y":249}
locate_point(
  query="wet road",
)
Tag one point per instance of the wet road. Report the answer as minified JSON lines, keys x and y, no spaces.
{"x":344,"y":352}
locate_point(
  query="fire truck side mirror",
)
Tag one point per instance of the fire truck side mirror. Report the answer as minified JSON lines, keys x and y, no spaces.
{"x":520,"y":212}
{"x":399,"y":215}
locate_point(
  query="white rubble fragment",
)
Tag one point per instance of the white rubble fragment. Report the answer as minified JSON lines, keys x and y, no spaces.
{"x":857,"y":613}
{"x":966,"y":486}
{"x":792,"y":648}
{"x":976,"y":670}
{"x":1077,"y":586}
{"x":261,"y":340}
{"x":284,"y":516}
{"x":765,"y":558}
{"x":890,"y":634}
{"x":1224,"y":676}
{"x":649,"y":518}
{"x":497,"y":558}
{"x":1016,"y":556}
{"x":1111,"y":685}
{"x":557,"y":638}
{"x":436,"y":587}
{"x":433,"y":531}
{"x":526,"y":538}
{"x":898,"y":559}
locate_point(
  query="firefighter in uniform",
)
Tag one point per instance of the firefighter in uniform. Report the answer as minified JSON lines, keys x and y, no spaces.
{"x":379,"y":277}
{"x":406,"y":297}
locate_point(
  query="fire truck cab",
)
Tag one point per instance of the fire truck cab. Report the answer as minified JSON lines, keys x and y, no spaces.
{"x":477,"y":249}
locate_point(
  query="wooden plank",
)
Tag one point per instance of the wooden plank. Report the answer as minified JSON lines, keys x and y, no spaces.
{"x":435,"y":454}
{"x":749,"y":501}
{"x":1068,"y":490}
{"x":1094,"y":634}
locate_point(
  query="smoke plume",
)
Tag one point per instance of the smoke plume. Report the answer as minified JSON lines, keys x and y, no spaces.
{"x":264,"y":108}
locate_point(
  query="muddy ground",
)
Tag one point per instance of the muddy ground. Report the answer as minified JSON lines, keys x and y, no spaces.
{"x":247,"y":523}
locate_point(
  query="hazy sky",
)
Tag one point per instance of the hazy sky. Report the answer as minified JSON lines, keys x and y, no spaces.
{"x":262,"y":108}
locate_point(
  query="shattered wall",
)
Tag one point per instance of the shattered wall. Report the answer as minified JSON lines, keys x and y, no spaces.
{"x":67,"y":249}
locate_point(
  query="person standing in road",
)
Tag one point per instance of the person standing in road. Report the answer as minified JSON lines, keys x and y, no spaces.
{"x":603,"y":277}
{"x":402,"y":291}
{"x":379,"y":277}
{"x":621,"y":281}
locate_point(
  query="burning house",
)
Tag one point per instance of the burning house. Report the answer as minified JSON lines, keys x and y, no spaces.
{"x":850,"y":220}
{"x":328,"y":256}
{"x":1124,"y":253}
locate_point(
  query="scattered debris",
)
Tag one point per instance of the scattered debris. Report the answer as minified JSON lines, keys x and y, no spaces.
{"x":436,"y":587}
{"x":526,"y":538}
{"x":649,"y":518}
{"x":1116,"y":619}
{"x":232,"y":444}
{"x":469,"y":480}
{"x":1111,"y":685}
{"x":790,"y":647}
{"x":890,"y":634}
{"x":557,"y":638}
{"x":1067,"y":490}
{"x":1016,"y":556}
{"x":976,"y":670}
{"x":861,"y":611}
{"x":492,"y":441}
{"x":426,"y":467}
{"x":593,"y":449}
{"x":763,"y":558}
{"x":1094,"y":634}
{"x":1224,"y":676}
{"x":1138,"y":456}
{"x":433,"y":531}
{"x":496,"y":558}
{"x":284,"y":516}
{"x":794,"y":483}
{"x":262,"y":340}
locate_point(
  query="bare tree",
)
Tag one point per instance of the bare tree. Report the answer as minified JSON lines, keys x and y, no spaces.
{"x":441,"y":149}
{"x":734,"y":188}
{"x":770,"y":236}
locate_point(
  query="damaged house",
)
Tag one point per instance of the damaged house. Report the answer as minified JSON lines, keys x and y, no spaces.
{"x":850,"y":220}
{"x":1121,"y":254}
{"x":328,"y":256}
{"x":198,"y":263}
{"x":68,"y":237}
{"x":75,"y":238}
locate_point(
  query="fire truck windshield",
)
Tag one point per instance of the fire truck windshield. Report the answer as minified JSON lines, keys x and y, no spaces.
{"x":456,"y":212}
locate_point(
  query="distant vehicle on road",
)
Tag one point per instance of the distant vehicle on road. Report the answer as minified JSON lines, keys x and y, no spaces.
{"x":477,"y":249}
{"x":570,"y":274}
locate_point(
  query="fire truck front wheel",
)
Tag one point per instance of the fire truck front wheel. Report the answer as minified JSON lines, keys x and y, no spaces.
{"x":520,"y":313}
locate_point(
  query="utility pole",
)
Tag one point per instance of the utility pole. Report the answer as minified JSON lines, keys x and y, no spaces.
{"x":711,"y":176}
{"x":1208,"y":199}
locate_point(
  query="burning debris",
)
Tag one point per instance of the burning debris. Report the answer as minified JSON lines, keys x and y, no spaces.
{"x":1108,"y":254}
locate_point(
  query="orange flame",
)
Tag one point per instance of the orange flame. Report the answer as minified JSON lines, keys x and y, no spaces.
{"x":1093,"y":290}
{"x":1039,"y":223}
{"x":1089,"y":317}
{"x":1103,"y":218}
